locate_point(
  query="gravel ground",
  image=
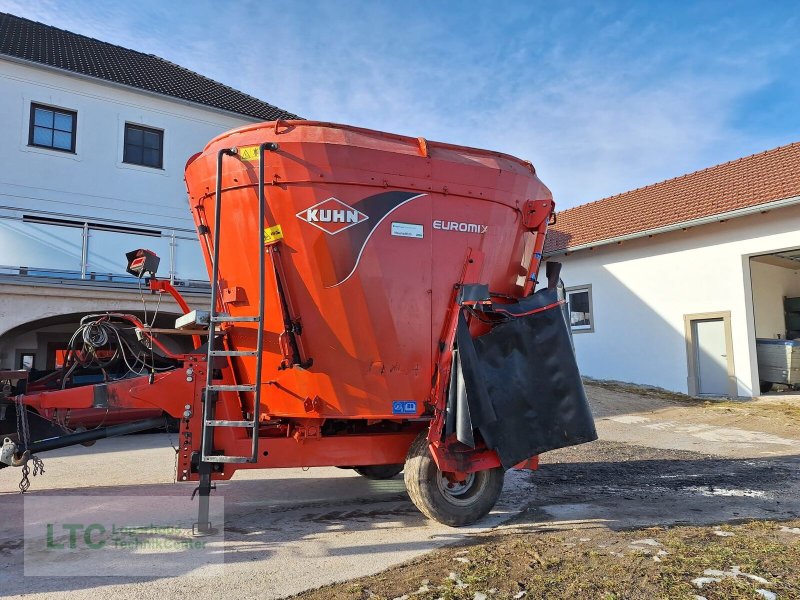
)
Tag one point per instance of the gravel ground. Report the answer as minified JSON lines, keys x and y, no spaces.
{"x":662,"y":461}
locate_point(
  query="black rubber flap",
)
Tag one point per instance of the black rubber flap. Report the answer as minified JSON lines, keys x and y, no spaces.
{"x":523,"y":387}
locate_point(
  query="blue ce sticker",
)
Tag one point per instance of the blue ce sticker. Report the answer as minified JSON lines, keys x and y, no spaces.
{"x":404,"y":407}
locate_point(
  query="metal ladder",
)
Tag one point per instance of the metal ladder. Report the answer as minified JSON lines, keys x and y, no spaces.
{"x":210,"y":422}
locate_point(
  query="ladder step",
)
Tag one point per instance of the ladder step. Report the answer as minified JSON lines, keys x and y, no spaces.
{"x":231,"y":388}
{"x":224,"y":423}
{"x":234,"y":353}
{"x":227,"y":459}
{"x":226,"y":318}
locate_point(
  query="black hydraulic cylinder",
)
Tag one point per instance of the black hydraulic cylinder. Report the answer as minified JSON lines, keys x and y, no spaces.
{"x":71,"y":439}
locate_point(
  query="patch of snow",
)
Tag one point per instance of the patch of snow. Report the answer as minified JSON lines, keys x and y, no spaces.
{"x":714,"y":575}
{"x":701,"y":581}
{"x":519,"y":595}
{"x":479,"y":596}
{"x":461,"y":559}
{"x":766,"y":594}
{"x":756,"y":578}
{"x":742,"y":493}
{"x":723,"y":533}
{"x":646,"y":542}
{"x":795,"y":530}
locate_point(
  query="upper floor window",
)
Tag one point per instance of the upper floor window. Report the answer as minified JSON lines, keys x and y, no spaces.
{"x":143,"y":146}
{"x":52,"y":128}
{"x":579,"y":300}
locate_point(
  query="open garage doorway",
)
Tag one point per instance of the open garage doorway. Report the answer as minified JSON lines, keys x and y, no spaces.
{"x":775,"y":281}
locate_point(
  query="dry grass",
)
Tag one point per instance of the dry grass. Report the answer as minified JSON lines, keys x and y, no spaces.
{"x":766,"y":407}
{"x":595,"y":564}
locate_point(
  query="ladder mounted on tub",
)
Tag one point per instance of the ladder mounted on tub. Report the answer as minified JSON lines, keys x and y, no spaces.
{"x":208,"y":455}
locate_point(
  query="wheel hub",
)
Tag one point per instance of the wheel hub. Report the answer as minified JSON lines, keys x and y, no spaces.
{"x":456,"y":488}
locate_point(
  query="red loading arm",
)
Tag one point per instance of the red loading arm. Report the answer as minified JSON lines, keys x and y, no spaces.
{"x":158,"y":285}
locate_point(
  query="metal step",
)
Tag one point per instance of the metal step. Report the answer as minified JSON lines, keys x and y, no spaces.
{"x":224,"y":423}
{"x":233,"y":352}
{"x":228,"y":459}
{"x":226,"y":318}
{"x":231,"y":388}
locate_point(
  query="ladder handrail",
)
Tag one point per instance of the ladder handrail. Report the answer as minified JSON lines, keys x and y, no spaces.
{"x":261,"y":291}
{"x":211,"y":391}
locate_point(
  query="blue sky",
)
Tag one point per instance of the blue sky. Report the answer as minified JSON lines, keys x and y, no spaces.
{"x":602,"y":97}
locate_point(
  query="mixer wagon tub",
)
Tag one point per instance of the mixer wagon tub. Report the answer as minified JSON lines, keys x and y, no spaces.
{"x":373,"y":306}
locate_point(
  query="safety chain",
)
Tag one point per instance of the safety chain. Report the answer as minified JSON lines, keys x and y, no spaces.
{"x":23,"y":434}
{"x":38,"y":469}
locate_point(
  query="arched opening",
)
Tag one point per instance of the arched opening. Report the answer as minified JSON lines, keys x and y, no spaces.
{"x":39,"y":345}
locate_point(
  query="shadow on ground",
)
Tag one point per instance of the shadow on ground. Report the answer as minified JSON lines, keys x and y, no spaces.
{"x":620,"y":487}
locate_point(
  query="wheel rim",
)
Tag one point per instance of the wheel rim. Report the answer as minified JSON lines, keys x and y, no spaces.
{"x":464,"y":492}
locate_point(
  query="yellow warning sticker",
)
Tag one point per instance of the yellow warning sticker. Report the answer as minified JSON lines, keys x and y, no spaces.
{"x":248,"y":152}
{"x":272,"y":234}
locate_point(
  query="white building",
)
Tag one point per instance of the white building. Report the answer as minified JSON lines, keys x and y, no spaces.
{"x":670,"y":285}
{"x":95,"y":139}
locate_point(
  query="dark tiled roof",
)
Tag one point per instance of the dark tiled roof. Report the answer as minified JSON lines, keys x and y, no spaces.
{"x":743,"y":183}
{"x":29,"y":40}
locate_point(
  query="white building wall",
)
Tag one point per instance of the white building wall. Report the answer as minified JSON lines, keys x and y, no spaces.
{"x":642,"y":289}
{"x":94,"y":184}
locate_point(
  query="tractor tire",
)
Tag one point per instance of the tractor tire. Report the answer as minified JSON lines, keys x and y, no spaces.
{"x":453,"y":504}
{"x":765,"y":386}
{"x":378,"y":471}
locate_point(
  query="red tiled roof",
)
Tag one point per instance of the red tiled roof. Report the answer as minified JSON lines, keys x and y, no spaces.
{"x":743,"y":183}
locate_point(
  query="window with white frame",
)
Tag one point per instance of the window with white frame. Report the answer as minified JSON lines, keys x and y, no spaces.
{"x":579,"y":300}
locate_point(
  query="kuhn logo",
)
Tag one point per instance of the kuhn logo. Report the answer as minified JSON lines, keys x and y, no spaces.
{"x":463,"y":227}
{"x":332,"y":216}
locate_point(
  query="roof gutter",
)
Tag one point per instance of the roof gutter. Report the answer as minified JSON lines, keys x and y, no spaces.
{"x":718,"y":218}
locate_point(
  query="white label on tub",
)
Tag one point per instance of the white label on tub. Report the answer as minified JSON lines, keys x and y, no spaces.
{"x":411,"y":230}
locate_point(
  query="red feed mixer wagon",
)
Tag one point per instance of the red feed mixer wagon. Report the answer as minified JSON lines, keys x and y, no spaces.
{"x":372,"y":307}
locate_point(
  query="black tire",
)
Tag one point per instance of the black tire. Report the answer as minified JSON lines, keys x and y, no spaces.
{"x":378,"y":471}
{"x":438,"y":499}
{"x":765,"y":386}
